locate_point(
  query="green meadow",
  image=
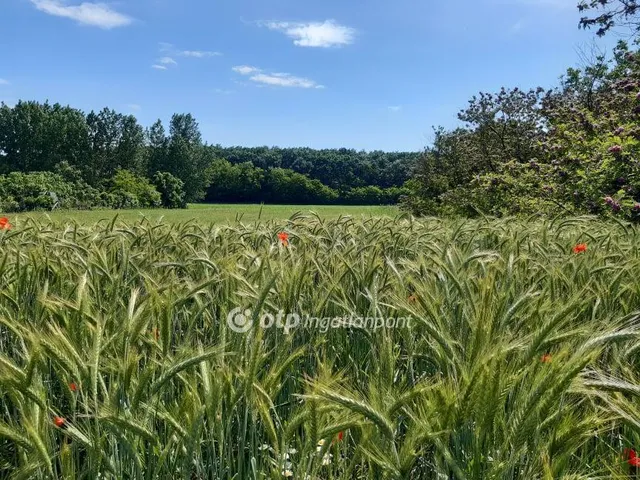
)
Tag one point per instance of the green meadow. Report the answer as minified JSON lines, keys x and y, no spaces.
{"x":209,"y":213}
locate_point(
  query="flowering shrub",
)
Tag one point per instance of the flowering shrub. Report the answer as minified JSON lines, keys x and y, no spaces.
{"x":577,"y":150}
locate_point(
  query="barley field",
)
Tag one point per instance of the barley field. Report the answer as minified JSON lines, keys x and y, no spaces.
{"x":520,"y":359}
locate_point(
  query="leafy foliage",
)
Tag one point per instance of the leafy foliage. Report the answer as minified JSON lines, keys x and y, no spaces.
{"x":340,"y":169}
{"x":47,"y":190}
{"x":132,"y":191}
{"x":171,"y":190}
{"x":572,"y":150}
{"x":245,"y":182}
{"x":20,"y":191}
{"x":182,"y":154}
{"x":288,"y":187}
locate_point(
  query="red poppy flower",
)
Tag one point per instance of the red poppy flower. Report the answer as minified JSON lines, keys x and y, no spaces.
{"x":73,"y":387}
{"x":4,"y":224}
{"x":340,"y":436}
{"x":284,"y":238}
{"x":59,"y":422}
{"x":632,"y":457}
{"x":546,"y":358}
{"x":580,"y":248}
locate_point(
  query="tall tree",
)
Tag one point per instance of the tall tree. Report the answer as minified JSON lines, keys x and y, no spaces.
{"x":506,"y":125}
{"x":36,"y":137}
{"x":158,"y":146}
{"x":187,"y":158}
{"x":117,"y":142}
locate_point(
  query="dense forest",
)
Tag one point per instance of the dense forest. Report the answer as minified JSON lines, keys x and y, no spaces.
{"x":54,"y":155}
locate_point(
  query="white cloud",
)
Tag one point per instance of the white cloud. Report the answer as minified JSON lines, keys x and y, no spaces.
{"x":93,"y":14}
{"x":221,"y":91}
{"x":198,"y":54}
{"x":395,"y":108}
{"x":170,"y":49}
{"x":275,"y":79}
{"x":164,"y":63}
{"x":245,"y":69}
{"x":134,"y":107}
{"x":167,"y":61}
{"x":315,"y":34}
{"x":4,"y":82}
{"x":284,"y":80}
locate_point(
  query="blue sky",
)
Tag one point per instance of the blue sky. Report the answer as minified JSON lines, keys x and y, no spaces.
{"x":365,"y":74}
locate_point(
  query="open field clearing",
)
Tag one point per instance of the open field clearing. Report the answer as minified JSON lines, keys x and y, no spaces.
{"x":210,"y":213}
{"x":520,"y":359}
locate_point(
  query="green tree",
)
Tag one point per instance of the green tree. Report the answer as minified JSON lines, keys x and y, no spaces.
{"x":132,"y":191}
{"x":187,"y":157}
{"x":235,"y":183}
{"x":157,"y":148}
{"x":117,"y":142}
{"x":36,"y":137}
{"x":171,"y":189}
{"x":285,"y":186}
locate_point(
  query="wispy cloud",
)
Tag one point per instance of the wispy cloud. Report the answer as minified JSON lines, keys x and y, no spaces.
{"x":4,"y":82}
{"x":167,"y":61}
{"x":315,"y":34}
{"x":221,"y":91}
{"x":395,"y":108}
{"x":284,"y":80}
{"x":133,"y":107}
{"x":516,"y":27}
{"x":245,"y":69}
{"x":198,"y":53}
{"x":171,"y":49}
{"x":93,"y":14}
{"x":276,"y":79}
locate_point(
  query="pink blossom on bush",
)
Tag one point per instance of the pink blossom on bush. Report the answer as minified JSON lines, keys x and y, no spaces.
{"x":615,"y":149}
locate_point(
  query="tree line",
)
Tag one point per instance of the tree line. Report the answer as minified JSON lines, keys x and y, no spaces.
{"x":52,"y":154}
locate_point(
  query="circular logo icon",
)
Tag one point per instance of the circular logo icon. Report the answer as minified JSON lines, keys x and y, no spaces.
{"x":239,"y":321}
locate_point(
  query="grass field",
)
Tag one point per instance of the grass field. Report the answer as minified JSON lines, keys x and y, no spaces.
{"x":208,"y":213}
{"x":124,"y":352}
